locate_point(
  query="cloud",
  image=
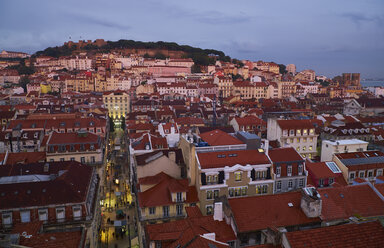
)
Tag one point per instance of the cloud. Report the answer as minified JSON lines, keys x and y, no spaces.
{"x":359,"y":18}
{"x":99,"y":21}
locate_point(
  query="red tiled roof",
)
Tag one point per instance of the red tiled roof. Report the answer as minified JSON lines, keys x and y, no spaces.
{"x":154,"y":179}
{"x":249,"y":120}
{"x":219,"y":138}
{"x":160,"y":194}
{"x":380,"y":187}
{"x":370,"y":234}
{"x":69,"y":187}
{"x":320,"y":170}
{"x":193,"y":212}
{"x":230,"y":158}
{"x":285,"y":154}
{"x":73,"y":138}
{"x":298,"y":124}
{"x":173,"y":231}
{"x":26,"y":157}
{"x":260,"y":212}
{"x":345,"y":202}
{"x":189,"y":121}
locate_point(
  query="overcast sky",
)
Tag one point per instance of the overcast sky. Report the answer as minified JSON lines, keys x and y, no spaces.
{"x":329,"y":36}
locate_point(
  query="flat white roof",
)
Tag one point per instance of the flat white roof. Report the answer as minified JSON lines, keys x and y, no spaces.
{"x":345,"y":142}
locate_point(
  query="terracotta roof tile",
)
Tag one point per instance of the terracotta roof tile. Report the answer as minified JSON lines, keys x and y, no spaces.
{"x":230,"y":158}
{"x":370,"y":234}
{"x":260,"y":212}
{"x":219,"y":138}
{"x":345,"y":202}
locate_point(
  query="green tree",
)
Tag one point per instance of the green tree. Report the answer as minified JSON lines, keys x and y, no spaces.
{"x":111,"y":125}
{"x":123,"y":125}
{"x":196,"y":69}
{"x":24,"y":81}
{"x":146,"y":56}
{"x":282,"y":69}
{"x":160,"y":55}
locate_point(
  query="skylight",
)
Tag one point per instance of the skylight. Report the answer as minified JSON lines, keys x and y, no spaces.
{"x":333,"y":167}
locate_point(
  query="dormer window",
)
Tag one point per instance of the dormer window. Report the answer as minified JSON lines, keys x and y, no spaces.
{"x":289,"y":170}
{"x":179,"y":196}
{"x":291,"y":132}
{"x":305,"y":131}
{"x":298,"y":132}
{"x":25,"y":135}
{"x":82,"y":147}
{"x":311,"y":131}
{"x":36,"y":135}
{"x":92,"y":147}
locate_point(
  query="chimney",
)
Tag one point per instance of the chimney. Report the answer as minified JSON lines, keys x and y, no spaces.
{"x":266,"y":146}
{"x":311,"y":203}
{"x":172,"y":156}
{"x":218,"y":211}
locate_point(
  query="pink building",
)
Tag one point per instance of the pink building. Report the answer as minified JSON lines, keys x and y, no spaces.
{"x":158,"y":71}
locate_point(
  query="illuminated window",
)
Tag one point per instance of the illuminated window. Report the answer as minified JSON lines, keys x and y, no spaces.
{"x":298,"y":132}
{"x":311,"y":131}
{"x":310,"y":148}
{"x":298,"y":148}
{"x":305,"y":132}
{"x":238,"y":176}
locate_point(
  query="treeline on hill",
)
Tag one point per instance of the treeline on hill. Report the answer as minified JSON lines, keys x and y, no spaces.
{"x":199,"y":56}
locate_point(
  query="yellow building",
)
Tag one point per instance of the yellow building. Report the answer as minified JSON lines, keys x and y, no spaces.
{"x":45,"y":88}
{"x":225,"y":85}
{"x":163,"y":197}
{"x":117,"y":102}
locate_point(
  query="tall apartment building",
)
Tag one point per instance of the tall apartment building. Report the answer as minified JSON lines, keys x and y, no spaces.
{"x":291,"y":68}
{"x":299,"y":134}
{"x":117,"y":103}
{"x":225,"y":85}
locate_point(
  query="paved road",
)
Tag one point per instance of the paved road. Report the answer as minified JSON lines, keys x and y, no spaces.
{"x":118,"y":215}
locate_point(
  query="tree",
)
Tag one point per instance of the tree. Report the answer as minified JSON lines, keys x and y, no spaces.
{"x":146,"y":56}
{"x":123,"y":125}
{"x":196,"y":69}
{"x":111,"y":125}
{"x":160,"y":55}
{"x":24,"y":81}
{"x":282,"y":69}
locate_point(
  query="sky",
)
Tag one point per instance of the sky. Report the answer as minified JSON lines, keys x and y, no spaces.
{"x":328,"y":36}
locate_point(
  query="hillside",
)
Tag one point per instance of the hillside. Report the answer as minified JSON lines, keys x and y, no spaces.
{"x":158,"y":49}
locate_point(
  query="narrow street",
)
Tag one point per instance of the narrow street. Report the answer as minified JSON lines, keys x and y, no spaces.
{"x":118,"y":227}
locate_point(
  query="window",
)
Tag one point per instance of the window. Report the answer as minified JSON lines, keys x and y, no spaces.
{"x":290,"y":184}
{"x":352,"y":175}
{"x":379,"y":172}
{"x":244,"y":191}
{"x":304,"y":148}
{"x":310,"y":148}
{"x":152,"y":210}
{"x":25,"y":216}
{"x":93,"y":160}
{"x":179,"y":209}
{"x":278,"y":170}
{"x":238,"y":176}
{"x":300,"y":169}
{"x":231,"y":192}
{"x":298,"y":132}
{"x":43,"y":214}
{"x":291,"y":140}
{"x":7,"y":219}
{"x":330,"y":180}
{"x":311,"y":131}
{"x":179,"y":196}
{"x":165,"y":211}
{"x":82,"y":159}
{"x":82,"y":147}
{"x":298,"y":140}
{"x":370,"y":173}
{"x":72,"y":148}
{"x":321,"y":182}
{"x":72,"y":159}
{"x":60,"y":214}
{"x":301,"y":182}
{"x":278,"y":185}
{"x":62,"y":159}
{"x":261,"y":189}
{"x":209,"y":209}
{"x":305,"y":131}
{"x":304,"y":140}
{"x":209,"y":195}
{"x":76,"y":212}
{"x":298,"y":148}
{"x":291,"y":132}
{"x":289,"y":170}
{"x":216,"y":193}
{"x":92,"y":147}
{"x":361,"y":174}
{"x":311,"y":139}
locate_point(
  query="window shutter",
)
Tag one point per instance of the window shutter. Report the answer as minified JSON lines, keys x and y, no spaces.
{"x":203,"y":179}
{"x":221,"y":177}
{"x":269,"y":173}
